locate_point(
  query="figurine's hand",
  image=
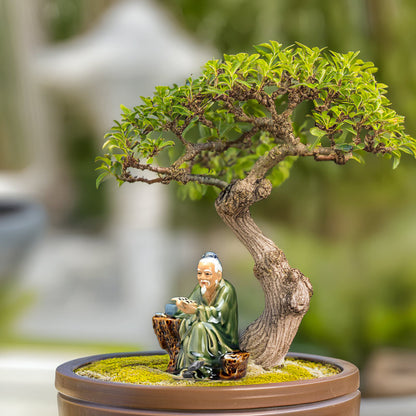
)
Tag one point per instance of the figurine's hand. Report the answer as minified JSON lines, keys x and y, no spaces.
{"x":185,"y":305}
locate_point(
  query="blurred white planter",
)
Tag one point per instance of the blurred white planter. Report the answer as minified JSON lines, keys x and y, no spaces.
{"x":21,"y":223}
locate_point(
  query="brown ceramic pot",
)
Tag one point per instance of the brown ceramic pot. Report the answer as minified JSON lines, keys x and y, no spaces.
{"x":329,"y":396}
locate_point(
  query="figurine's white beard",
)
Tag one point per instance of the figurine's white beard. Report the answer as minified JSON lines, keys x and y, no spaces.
{"x":205,"y":287}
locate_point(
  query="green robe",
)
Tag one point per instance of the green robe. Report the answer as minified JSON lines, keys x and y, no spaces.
{"x":212,"y":330}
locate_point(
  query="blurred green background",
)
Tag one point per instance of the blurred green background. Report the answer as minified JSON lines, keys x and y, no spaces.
{"x":350,"y":229}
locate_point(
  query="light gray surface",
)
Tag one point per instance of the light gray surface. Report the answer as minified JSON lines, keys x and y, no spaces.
{"x":27,"y":382}
{"x":398,"y":406}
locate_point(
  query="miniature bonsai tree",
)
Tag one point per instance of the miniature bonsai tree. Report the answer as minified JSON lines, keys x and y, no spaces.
{"x":233,"y":129}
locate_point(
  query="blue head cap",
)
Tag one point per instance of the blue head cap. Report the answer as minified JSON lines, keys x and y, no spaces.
{"x":209,"y":254}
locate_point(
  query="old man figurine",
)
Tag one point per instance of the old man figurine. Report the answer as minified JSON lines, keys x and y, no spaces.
{"x":209,"y":321}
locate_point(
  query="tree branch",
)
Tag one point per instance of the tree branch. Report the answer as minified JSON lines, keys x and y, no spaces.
{"x":237,"y":111}
{"x":279,"y":153}
{"x":206,"y":180}
{"x":193,"y":150}
{"x":269,"y":160}
{"x":127,"y":177}
{"x":131,"y":162}
{"x":169,"y":175}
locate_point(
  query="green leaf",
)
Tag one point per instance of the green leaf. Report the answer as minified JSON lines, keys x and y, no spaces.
{"x":396,"y":162}
{"x":319,"y":134}
{"x":344,"y":147}
{"x":215,"y":91}
{"x":181,"y":110}
{"x":199,"y":170}
{"x":281,"y":172}
{"x":358,"y":157}
{"x":100,"y":179}
{"x":106,"y":143}
{"x":192,"y":190}
{"x":105,"y":161}
{"x":125,"y":110}
{"x":315,"y":131}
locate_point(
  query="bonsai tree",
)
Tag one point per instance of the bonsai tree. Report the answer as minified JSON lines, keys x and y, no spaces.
{"x":234,"y":129}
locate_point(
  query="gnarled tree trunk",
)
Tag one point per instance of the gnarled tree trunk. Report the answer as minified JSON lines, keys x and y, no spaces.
{"x":286,"y":290}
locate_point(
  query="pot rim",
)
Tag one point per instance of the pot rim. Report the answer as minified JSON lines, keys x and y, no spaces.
{"x":225,"y":397}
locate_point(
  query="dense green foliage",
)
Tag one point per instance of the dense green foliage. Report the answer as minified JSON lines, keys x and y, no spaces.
{"x":215,"y":128}
{"x":382,"y":30}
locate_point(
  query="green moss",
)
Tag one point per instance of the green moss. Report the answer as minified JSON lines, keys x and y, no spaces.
{"x":135,"y":369}
{"x":149,"y":370}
